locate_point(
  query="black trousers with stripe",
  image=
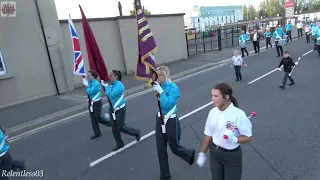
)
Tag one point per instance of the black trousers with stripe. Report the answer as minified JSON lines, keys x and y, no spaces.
{"x":172,"y":136}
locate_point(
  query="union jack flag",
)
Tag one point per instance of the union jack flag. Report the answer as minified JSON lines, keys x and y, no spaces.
{"x":78,"y":67}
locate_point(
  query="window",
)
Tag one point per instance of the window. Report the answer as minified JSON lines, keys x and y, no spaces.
{"x":2,"y":65}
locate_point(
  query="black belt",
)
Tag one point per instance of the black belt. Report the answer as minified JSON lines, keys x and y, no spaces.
{"x":227,"y":150}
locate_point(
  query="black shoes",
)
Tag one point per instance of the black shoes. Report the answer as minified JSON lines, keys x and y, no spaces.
{"x":95,"y":136}
{"x":117,"y":148}
{"x":192,"y":157}
{"x":138,"y":136}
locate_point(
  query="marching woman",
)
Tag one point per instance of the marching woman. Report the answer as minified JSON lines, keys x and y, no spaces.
{"x":226,"y":119}
{"x":115,"y":92}
{"x":93,"y":90}
{"x":6,"y":162}
{"x":278,"y":35}
{"x":169,"y":94}
{"x":243,"y":38}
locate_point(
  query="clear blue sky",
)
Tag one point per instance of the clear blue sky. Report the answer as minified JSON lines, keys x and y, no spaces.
{"x":109,"y":8}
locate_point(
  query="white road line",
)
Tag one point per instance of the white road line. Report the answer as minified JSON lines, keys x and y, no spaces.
{"x":307,"y":52}
{"x":263,"y":76}
{"x":73,"y":117}
{"x":144,"y":137}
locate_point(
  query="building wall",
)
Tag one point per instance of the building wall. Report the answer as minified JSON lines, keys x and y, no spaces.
{"x":215,"y":15}
{"x":29,"y":74}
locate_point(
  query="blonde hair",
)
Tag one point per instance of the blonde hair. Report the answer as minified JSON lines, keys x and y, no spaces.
{"x":165,"y":70}
{"x":235,"y":51}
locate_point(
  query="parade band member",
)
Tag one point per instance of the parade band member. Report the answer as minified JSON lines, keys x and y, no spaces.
{"x":287,"y":63}
{"x":277,"y":35}
{"x":6,"y":162}
{"x":93,"y":90}
{"x":318,"y":39}
{"x":299,"y":29}
{"x":243,"y":38}
{"x":256,"y":40}
{"x":289,"y":30}
{"x":315,"y":29}
{"x":267,"y":34}
{"x":237,"y":63}
{"x":308,"y":30}
{"x":169,"y":95}
{"x":115,"y":92}
{"x":225,"y":119}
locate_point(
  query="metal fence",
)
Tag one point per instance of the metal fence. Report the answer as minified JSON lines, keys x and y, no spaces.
{"x":220,"y":37}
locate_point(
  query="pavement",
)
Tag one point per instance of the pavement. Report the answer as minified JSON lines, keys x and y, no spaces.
{"x":285,"y":142}
{"x":38,"y":113}
{"x":204,"y":45}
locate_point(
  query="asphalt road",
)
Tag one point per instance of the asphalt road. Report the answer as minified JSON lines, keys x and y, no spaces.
{"x":285,"y":132}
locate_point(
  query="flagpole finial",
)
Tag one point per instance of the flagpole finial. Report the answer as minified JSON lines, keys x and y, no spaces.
{"x":120,"y":8}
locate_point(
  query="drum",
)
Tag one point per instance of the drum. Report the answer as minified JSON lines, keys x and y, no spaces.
{"x":314,"y":36}
{"x":282,"y":42}
{"x":318,"y":41}
{"x":242,"y":44}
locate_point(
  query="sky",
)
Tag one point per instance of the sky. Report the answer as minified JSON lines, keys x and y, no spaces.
{"x":109,"y":8}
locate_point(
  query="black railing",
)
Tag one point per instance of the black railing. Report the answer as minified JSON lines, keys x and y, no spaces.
{"x":223,"y":36}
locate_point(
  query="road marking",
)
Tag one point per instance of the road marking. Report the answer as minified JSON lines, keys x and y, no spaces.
{"x":144,"y":137}
{"x":307,"y":52}
{"x":263,"y":76}
{"x":73,"y":117}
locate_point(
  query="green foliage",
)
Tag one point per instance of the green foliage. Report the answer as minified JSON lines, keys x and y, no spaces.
{"x":133,"y":12}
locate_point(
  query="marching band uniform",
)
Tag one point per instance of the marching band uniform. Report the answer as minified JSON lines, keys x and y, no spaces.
{"x":314,"y":34}
{"x":318,"y":39}
{"x":6,"y":162}
{"x":287,"y":63}
{"x":225,"y":154}
{"x":237,"y":63}
{"x":115,"y":92}
{"x":289,"y":30}
{"x":169,"y":95}
{"x":243,"y":38}
{"x":267,"y":34}
{"x":255,"y":38}
{"x":277,"y":35}
{"x":95,"y":103}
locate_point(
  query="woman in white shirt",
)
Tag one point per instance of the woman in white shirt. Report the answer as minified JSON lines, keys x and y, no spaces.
{"x":226,"y":128}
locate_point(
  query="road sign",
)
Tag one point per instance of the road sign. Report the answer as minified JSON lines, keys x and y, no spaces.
{"x":289,"y":9}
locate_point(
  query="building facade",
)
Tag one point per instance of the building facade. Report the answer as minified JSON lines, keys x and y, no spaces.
{"x":36,"y":54}
{"x":216,"y":15}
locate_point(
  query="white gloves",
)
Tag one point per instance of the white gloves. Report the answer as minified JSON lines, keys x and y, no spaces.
{"x":279,"y":69}
{"x":85,"y":82}
{"x":104,"y":84}
{"x":230,"y":136}
{"x":201,"y":159}
{"x":296,"y":63}
{"x":157,"y":87}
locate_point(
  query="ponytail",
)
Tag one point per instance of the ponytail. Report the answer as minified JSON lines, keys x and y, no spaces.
{"x":118,"y":74}
{"x":234,"y":101}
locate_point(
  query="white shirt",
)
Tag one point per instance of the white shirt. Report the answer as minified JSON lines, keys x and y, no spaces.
{"x":231,"y":118}
{"x":237,"y":60}
{"x":307,"y":29}
{"x":299,"y":25}
{"x":255,"y":36}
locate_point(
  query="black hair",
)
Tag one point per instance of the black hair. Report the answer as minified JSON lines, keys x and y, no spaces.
{"x":118,"y":74}
{"x":93,"y":73}
{"x":226,"y":90}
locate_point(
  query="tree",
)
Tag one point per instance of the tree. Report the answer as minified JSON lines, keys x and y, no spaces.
{"x":249,"y":13}
{"x":133,"y":12}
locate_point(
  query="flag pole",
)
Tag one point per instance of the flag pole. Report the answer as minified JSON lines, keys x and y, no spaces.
{"x":154,"y":73}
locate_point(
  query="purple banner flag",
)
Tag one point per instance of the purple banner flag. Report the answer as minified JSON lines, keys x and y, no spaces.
{"x":146,"y":64}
